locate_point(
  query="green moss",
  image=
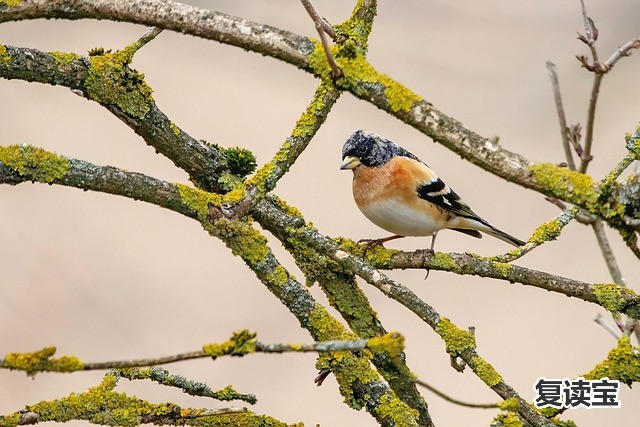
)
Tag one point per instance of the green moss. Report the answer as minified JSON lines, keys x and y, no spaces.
{"x":111,"y":81}
{"x":511,"y":404}
{"x":4,"y":58}
{"x":547,"y":232}
{"x":507,"y":419}
{"x":241,"y":343}
{"x":63,"y":58}
{"x":11,"y":2}
{"x":576,"y":188}
{"x":240,"y":161}
{"x":34,"y":163}
{"x":611,"y":296}
{"x":391,"y":343}
{"x":456,"y":340}
{"x":397,"y":412}
{"x":485,"y":371}
{"x":622,"y":363}
{"x":41,"y":361}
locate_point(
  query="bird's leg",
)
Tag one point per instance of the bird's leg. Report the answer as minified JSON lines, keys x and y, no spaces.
{"x":433,"y":240}
{"x":370,"y":243}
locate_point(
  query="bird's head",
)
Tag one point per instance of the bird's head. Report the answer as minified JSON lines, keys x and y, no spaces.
{"x":368,"y":149}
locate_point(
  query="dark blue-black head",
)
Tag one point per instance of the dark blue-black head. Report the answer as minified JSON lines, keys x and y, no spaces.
{"x":369,"y":149}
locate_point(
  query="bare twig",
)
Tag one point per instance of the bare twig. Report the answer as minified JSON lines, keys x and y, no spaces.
{"x":607,"y":252}
{"x":622,"y":51}
{"x":583,"y":217}
{"x":607,"y":327}
{"x":321,"y":26}
{"x":454,"y":400}
{"x":561,"y":115}
{"x":318,"y":20}
{"x":151,"y":34}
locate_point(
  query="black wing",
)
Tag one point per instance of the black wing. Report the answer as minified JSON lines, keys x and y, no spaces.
{"x":439,"y":193}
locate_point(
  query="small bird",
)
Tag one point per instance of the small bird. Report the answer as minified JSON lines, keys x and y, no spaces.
{"x":401,"y":194}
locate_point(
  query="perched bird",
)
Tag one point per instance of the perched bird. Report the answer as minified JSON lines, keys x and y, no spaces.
{"x":399,"y":193}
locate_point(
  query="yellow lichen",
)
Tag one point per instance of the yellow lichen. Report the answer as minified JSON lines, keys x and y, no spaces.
{"x":622,"y":364}
{"x":34,"y":163}
{"x":391,"y":343}
{"x":41,"y":361}
{"x":443,"y":261}
{"x":502,"y":268}
{"x":64,"y":58}
{"x":546,"y":232}
{"x":397,"y":412}
{"x":241,"y":343}
{"x":511,"y":404}
{"x":111,"y":81}
{"x":243,"y":240}
{"x":4,"y":58}
{"x":175,"y":129}
{"x":485,"y":371}
{"x":611,"y":296}
{"x":11,"y":2}
{"x":507,"y":419}
{"x":456,"y":340}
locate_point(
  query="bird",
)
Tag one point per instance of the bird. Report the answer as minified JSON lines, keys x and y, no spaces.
{"x":399,"y":193}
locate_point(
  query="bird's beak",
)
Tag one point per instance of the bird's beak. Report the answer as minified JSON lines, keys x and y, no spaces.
{"x":350,"y":162}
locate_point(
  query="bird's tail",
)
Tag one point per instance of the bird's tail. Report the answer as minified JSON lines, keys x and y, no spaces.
{"x":479,"y":224}
{"x":499,"y":234}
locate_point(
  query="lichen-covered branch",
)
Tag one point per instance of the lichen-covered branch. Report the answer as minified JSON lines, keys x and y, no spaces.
{"x":105,"y":406}
{"x":107,"y":79}
{"x":456,"y":343}
{"x":344,"y":295}
{"x":359,"y":383}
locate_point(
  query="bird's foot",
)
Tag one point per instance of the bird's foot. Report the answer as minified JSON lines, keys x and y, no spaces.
{"x":372,"y":243}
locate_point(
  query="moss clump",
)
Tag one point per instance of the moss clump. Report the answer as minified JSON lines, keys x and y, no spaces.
{"x":485,"y":371}
{"x":111,"y":81}
{"x":41,"y":361}
{"x":456,"y":340}
{"x":240,"y":161}
{"x":34,"y":163}
{"x":241,"y":343}
{"x":391,"y":343}
{"x":546,"y":232}
{"x":612,"y":296}
{"x":64,"y":58}
{"x":622,"y":363}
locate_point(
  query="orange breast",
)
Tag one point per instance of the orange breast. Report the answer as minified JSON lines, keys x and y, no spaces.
{"x":387,"y":196}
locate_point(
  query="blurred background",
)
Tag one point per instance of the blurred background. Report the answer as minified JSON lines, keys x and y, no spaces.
{"x":107,"y":278}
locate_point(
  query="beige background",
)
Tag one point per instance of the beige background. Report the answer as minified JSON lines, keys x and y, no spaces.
{"x":104,"y":277}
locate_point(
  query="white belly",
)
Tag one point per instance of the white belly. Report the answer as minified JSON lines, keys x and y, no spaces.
{"x":397,"y":218}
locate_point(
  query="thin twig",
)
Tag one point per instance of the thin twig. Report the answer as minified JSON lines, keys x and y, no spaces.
{"x":561,"y":115}
{"x":607,"y":252}
{"x":591,"y":114}
{"x":326,"y":27}
{"x":583,"y":217}
{"x":321,"y":25}
{"x":199,"y":413}
{"x":151,"y":34}
{"x":622,"y":51}
{"x":607,"y":327}
{"x":454,"y":400}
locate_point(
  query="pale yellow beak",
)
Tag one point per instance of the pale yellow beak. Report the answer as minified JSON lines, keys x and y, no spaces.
{"x":350,"y":162}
